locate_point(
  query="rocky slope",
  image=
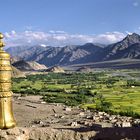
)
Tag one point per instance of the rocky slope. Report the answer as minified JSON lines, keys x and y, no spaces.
{"x":29,"y":66}
{"x":84,"y":69}
{"x":21,"y":133}
{"x":55,"y":69}
{"x":51,"y":56}
{"x":17,"y":73}
{"x":129,"y":47}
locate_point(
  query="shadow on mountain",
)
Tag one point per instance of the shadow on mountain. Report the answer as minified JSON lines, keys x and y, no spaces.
{"x":116,"y":133}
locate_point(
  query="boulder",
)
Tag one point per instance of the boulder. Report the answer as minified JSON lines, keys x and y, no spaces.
{"x":126,"y":124}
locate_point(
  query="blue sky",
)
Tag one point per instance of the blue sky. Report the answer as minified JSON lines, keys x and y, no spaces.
{"x":89,"y":18}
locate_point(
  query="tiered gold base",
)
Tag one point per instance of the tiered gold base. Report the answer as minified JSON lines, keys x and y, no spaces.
{"x":6,"y":113}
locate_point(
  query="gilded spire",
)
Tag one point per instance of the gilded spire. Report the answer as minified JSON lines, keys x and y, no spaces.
{"x":1,"y":43}
{"x":6,"y":112}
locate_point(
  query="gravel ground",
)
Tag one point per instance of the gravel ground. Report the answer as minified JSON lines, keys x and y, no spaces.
{"x":58,"y":122}
{"x":31,"y":111}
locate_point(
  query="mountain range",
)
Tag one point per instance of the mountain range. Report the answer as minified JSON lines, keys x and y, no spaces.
{"x":128,"y":48}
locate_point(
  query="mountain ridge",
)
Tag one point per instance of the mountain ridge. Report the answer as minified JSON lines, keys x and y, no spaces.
{"x":129,"y":47}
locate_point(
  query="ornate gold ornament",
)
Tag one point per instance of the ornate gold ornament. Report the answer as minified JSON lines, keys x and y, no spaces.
{"x":6,"y":111}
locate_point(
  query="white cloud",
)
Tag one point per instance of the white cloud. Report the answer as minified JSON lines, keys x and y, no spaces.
{"x":59,"y":38}
{"x":13,"y":32}
{"x":109,"y":37}
{"x":135,"y":4}
{"x":42,"y":45}
{"x":57,"y":32}
{"x":129,"y":33}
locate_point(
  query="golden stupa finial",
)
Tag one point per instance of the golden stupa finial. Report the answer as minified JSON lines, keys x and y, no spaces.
{"x":1,"y":42}
{"x":6,"y":111}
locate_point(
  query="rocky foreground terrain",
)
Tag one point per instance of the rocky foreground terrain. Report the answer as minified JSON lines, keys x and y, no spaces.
{"x":37,"y":120}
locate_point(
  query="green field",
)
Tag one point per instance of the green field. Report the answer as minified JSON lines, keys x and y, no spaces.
{"x":115,"y":91}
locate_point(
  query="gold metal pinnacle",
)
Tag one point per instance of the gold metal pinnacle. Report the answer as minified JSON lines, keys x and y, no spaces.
{"x":6,"y":111}
{"x":1,"y":43}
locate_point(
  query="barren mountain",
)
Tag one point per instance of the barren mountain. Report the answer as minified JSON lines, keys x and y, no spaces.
{"x":129,"y":47}
{"x":28,"y":66}
{"x":67,"y":55}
